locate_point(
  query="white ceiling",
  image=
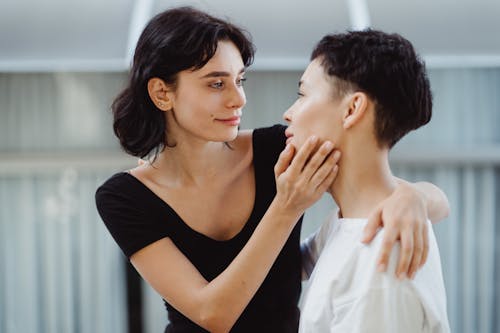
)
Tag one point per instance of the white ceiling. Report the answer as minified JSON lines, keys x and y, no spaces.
{"x":45,"y":35}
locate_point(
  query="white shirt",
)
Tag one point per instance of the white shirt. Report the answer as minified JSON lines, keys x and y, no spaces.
{"x":346,"y":294}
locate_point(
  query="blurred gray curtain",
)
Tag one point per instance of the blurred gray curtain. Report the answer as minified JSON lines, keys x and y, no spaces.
{"x":60,"y":270}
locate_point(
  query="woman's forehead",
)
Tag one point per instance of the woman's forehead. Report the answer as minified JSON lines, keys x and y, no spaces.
{"x":227,"y":57}
{"x":314,"y":75}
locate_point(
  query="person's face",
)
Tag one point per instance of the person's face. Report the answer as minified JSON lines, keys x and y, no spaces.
{"x":208,"y":102}
{"x":315,"y":111}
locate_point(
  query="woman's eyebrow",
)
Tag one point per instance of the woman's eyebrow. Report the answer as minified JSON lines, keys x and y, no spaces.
{"x":221,"y":74}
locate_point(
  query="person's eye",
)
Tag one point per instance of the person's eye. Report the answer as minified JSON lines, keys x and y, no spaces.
{"x":217,"y":85}
{"x":241,"y":81}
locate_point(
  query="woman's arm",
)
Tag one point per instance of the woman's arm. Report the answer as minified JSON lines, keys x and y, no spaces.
{"x":403,"y":216}
{"x":216,"y":305}
{"x":438,"y":207}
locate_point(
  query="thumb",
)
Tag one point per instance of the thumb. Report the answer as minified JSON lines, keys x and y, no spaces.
{"x":284,"y":160}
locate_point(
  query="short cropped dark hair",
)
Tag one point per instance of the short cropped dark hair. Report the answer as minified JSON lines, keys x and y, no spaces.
{"x":175,"y":40}
{"x":386,"y":68}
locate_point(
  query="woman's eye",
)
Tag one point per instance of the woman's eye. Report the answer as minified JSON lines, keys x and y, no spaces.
{"x":217,"y":85}
{"x":241,"y":81}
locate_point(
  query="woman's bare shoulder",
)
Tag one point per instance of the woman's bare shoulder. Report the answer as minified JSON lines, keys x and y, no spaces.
{"x":245,"y":134}
{"x":243,"y":140}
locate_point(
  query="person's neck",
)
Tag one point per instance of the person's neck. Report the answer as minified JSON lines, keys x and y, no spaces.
{"x":364,"y":180}
{"x":192,"y":162}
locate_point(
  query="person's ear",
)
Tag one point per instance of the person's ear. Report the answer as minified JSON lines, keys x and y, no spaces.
{"x":160,"y":93}
{"x":357,"y":104}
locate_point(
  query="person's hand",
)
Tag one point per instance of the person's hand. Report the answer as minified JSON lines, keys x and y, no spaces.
{"x":302,"y":180}
{"x":403,"y":216}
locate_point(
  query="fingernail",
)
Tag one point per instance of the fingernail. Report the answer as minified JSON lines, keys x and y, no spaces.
{"x":336,"y":155}
{"x":381,"y":268}
{"x":313,"y":138}
{"x":328,"y":145}
{"x":402,"y":276}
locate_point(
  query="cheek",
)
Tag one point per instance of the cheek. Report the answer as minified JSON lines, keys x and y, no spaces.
{"x":302,"y":130}
{"x":316,"y":120}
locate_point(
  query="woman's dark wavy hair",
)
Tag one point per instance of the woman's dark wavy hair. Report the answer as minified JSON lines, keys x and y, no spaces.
{"x":386,"y":68}
{"x":174,"y":40}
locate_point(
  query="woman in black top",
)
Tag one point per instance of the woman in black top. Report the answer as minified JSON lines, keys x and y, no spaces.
{"x":213,"y":221}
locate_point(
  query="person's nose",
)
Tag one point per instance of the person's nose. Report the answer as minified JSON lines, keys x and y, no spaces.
{"x":236,"y":98}
{"x":287,"y":116}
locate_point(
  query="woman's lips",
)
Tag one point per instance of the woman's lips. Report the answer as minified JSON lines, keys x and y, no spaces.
{"x":232,"y":121}
{"x":288,"y":136}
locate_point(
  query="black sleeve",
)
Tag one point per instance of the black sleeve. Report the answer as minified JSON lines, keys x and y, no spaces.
{"x":125,"y":212}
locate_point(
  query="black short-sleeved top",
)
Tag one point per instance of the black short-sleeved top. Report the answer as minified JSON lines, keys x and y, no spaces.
{"x":136,"y":217}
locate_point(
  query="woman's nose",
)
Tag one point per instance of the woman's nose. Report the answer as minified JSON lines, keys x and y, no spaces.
{"x":237,"y":98}
{"x":287,"y":116}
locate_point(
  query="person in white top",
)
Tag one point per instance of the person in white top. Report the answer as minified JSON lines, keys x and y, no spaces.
{"x":365,"y":90}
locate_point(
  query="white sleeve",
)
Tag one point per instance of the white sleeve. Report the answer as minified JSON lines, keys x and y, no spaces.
{"x":381,"y":310}
{"x":312,"y":246}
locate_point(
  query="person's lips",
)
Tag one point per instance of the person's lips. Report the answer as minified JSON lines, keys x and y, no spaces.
{"x":289,"y":136}
{"x":231,"y":121}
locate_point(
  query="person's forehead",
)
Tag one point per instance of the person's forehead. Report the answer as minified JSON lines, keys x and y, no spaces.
{"x":313,"y":74}
{"x":226,"y":58}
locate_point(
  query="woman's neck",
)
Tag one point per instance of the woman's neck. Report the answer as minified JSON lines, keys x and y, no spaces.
{"x":192,"y":162}
{"x":364,"y":181}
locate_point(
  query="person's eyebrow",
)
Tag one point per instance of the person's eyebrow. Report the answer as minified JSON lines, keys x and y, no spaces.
{"x":221,"y":74}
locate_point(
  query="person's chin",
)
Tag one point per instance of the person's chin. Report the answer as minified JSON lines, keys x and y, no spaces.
{"x":296,"y":143}
{"x":231,"y":135}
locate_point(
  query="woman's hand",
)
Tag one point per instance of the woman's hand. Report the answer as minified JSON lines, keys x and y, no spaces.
{"x":403,"y":216}
{"x":302,"y":180}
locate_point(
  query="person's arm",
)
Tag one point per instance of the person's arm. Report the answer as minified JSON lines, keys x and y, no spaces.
{"x":403,"y":216}
{"x":438,"y":207}
{"x":216,"y":305}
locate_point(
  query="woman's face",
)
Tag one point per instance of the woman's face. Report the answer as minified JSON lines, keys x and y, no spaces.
{"x":208,"y":102}
{"x":315,"y":111}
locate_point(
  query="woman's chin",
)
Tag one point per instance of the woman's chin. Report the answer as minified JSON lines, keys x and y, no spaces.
{"x":228,"y":136}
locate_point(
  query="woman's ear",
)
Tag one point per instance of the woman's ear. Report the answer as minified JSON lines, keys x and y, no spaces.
{"x":357,"y":104}
{"x":160,"y":94}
